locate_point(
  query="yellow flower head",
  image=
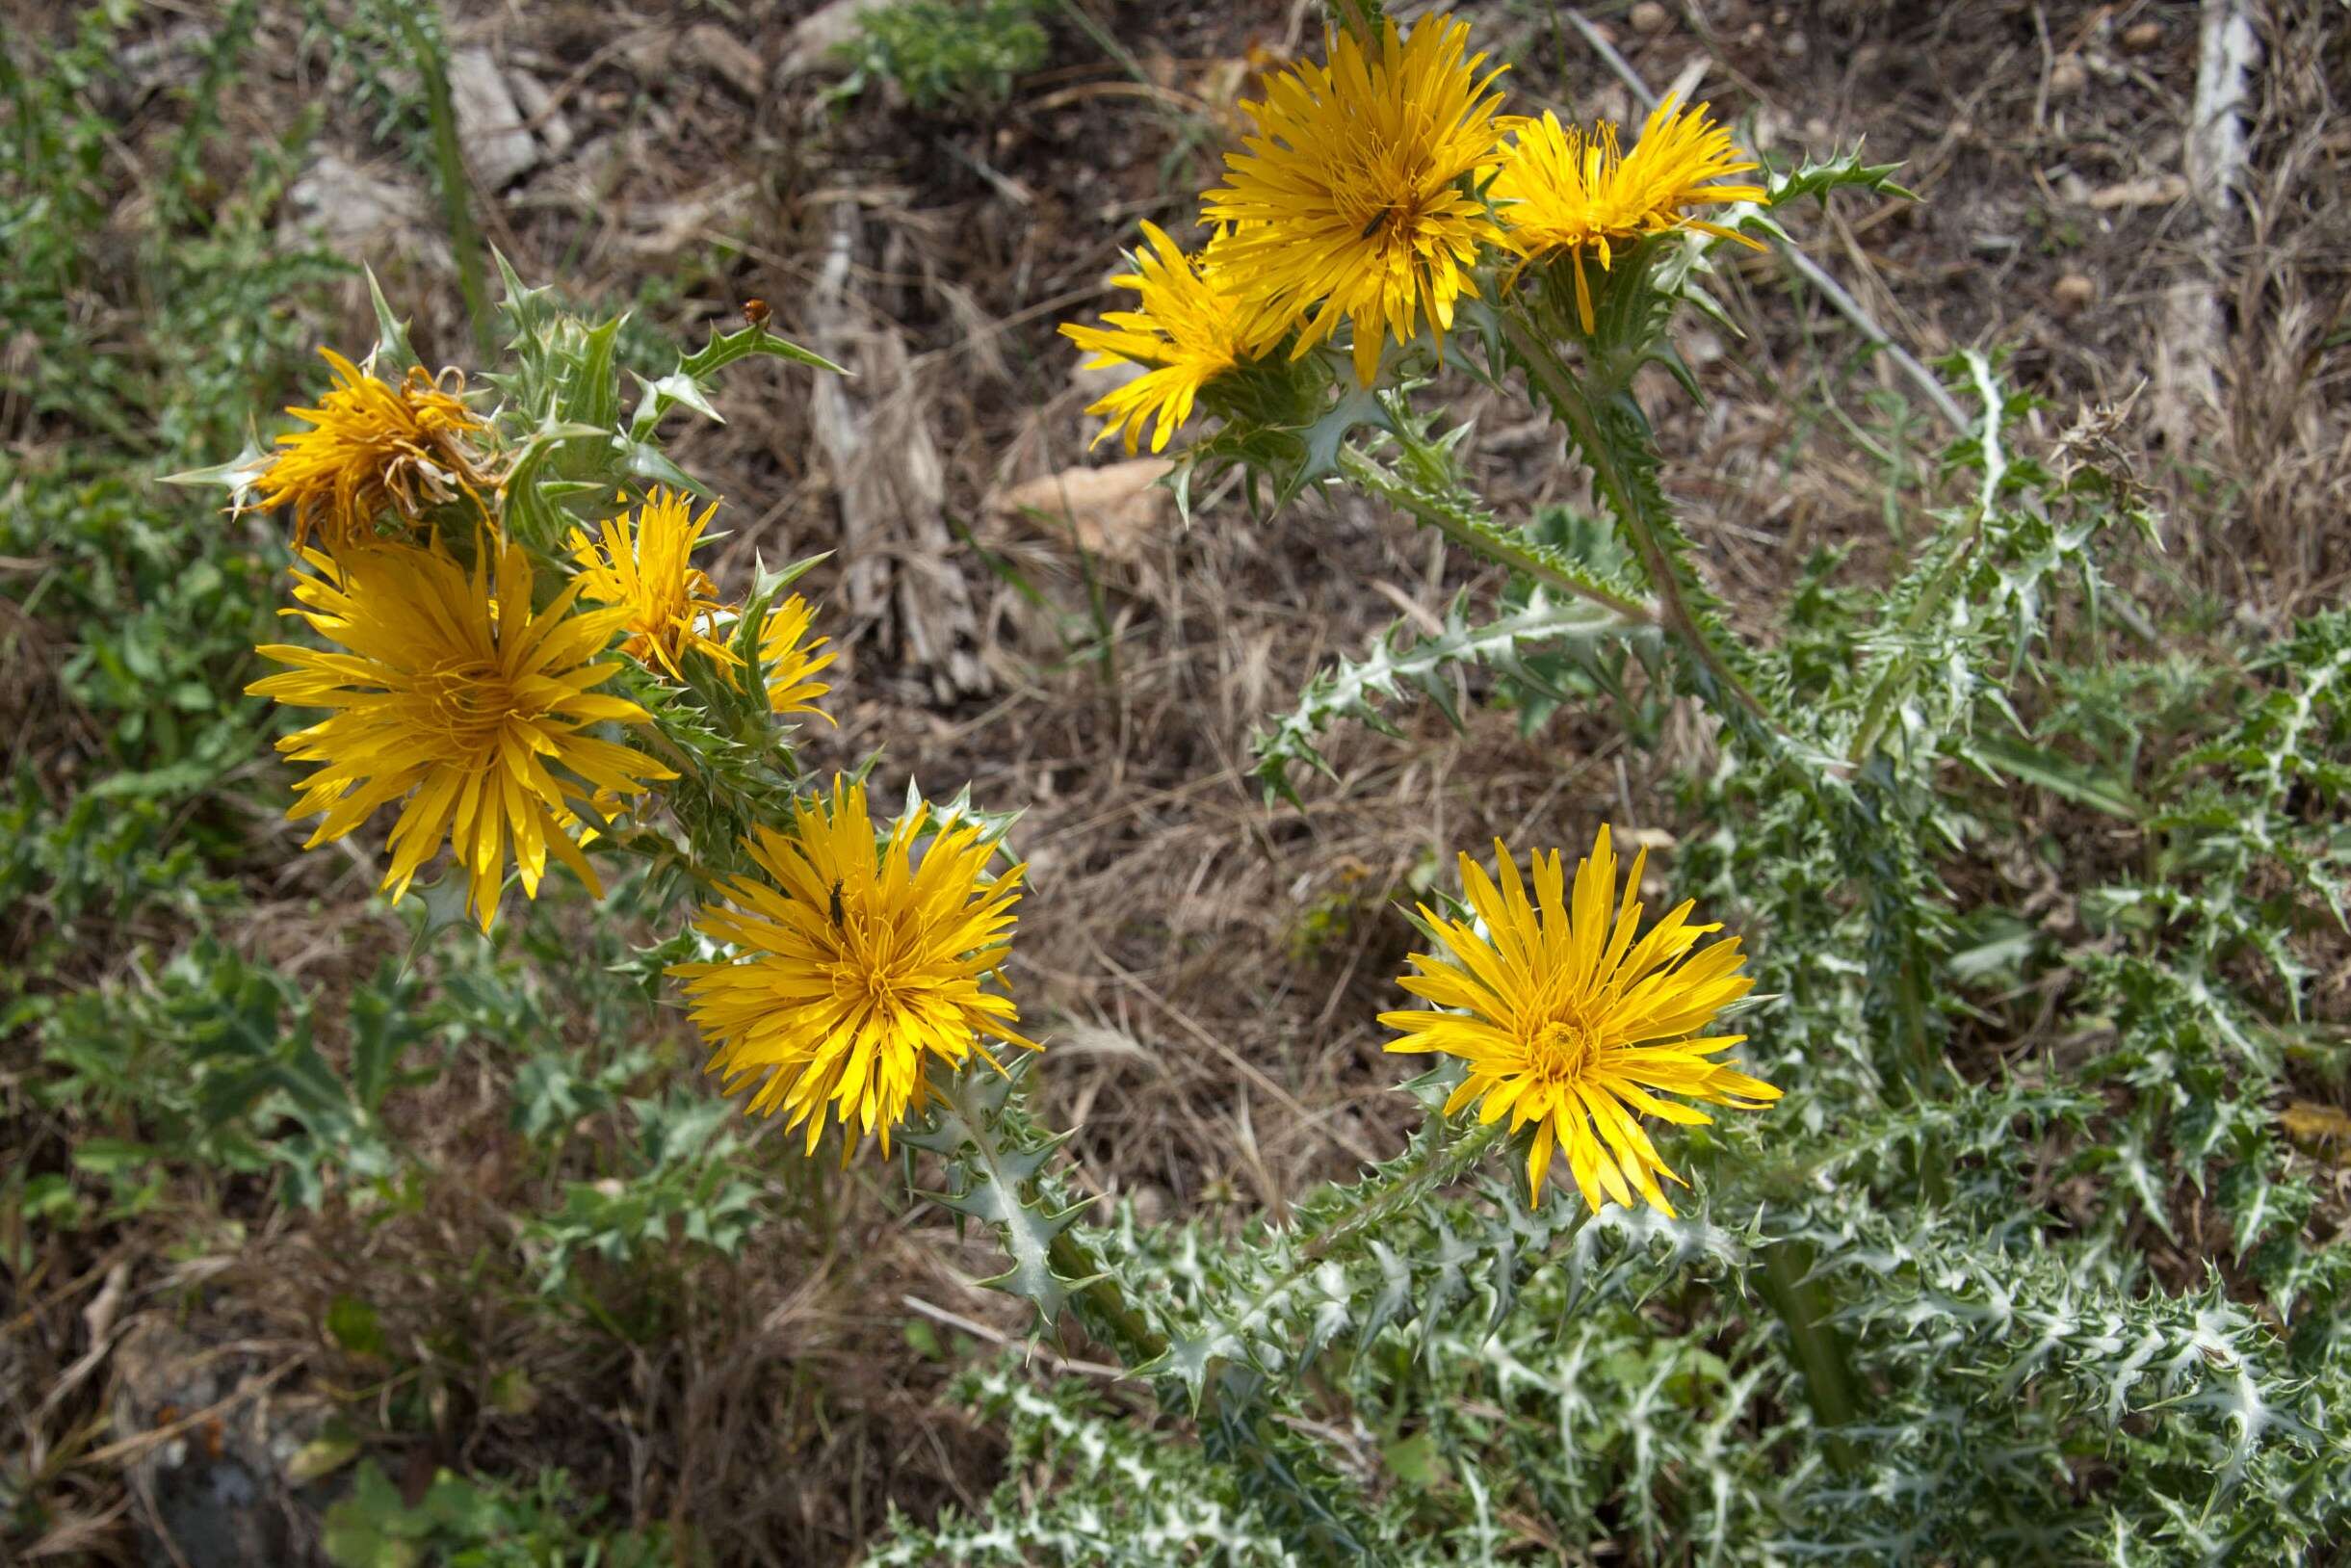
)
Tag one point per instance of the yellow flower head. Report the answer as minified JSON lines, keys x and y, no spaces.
{"x":857,"y":966}
{"x":449,"y":691}
{"x":1193,"y":326}
{"x":791,"y":664}
{"x":1566,"y":1022}
{"x":1352,"y":192}
{"x":371,"y":445}
{"x":1565,"y":192}
{"x":670,"y":603}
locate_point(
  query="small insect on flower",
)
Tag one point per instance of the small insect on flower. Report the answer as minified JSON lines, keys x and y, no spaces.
{"x":1566,"y":1022}
{"x":449,"y":691}
{"x":671,"y":604}
{"x":858,"y":966}
{"x":371,"y":447}
{"x":1357,"y":191}
{"x":1565,"y":192}
{"x":793,"y":661}
{"x":1193,"y":327}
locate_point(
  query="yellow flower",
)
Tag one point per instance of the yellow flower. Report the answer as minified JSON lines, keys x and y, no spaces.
{"x":1564,"y":192}
{"x":857,"y":966}
{"x":670,"y":603}
{"x":791,"y":666}
{"x":371,"y":445}
{"x":1566,"y":1022}
{"x":1352,"y":191}
{"x":1193,"y":327}
{"x":450,"y":692}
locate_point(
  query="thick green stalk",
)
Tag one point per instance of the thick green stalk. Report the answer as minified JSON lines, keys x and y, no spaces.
{"x":1109,"y":1315}
{"x":1620,"y":475}
{"x":1450,"y":516}
{"x":1819,"y":1351}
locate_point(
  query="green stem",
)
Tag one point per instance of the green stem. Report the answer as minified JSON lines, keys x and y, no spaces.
{"x":1819,"y":1354}
{"x":1442,"y":1163}
{"x":1611,"y":472}
{"x":449,"y":162}
{"x":1431,"y":511}
{"x":1877,"y":709}
{"x":1015,"y":1172}
{"x":1114,"y":1320}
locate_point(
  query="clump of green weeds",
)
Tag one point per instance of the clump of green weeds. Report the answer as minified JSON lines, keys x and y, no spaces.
{"x":948,"y":54}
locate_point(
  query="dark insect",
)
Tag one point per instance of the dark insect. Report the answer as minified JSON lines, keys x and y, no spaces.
{"x":1372,"y":227}
{"x":836,"y":904}
{"x":755,"y":311}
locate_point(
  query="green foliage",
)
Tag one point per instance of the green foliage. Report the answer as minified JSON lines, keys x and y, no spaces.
{"x":1400,"y":663}
{"x":1574,"y":590}
{"x":1878,"y":1333}
{"x":169,"y":1089}
{"x":995,"y":1156}
{"x":683,"y":1186}
{"x":464,"y":1524}
{"x":949,"y":54}
{"x":1114,"y":1492}
{"x":141,"y":338}
{"x":212,"y":1061}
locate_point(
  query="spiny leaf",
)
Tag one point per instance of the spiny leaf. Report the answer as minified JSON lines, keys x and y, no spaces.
{"x":1401,"y":661}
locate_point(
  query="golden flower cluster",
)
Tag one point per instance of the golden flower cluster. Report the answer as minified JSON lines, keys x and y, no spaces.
{"x":851,"y":962}
{"x":1370,"y":193}
{"x":451,"y":690}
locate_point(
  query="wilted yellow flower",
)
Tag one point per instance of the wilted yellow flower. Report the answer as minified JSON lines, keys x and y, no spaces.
{"x":1353,"y":193}
{"x":1193,"y":326}
{"x":1565,"y":192}
{"x":1566,"y":1022}
{"x":671,"y":602}
{"x":858,"y":965}
{"x":450,"y":693}
{"x":793,"y":666}
{"x":371,"y":445}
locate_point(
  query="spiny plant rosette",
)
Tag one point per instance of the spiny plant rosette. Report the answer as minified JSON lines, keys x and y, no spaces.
{"x":1394,"y":222}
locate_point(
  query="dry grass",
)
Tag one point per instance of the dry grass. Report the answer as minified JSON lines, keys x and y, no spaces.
{"x":1215,"y":1054}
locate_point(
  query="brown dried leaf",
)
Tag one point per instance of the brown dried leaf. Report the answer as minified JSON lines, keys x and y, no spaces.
{"x":2317,"y":1127}
{"x":1115,"y":509}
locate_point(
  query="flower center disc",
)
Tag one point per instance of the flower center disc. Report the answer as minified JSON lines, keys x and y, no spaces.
{"x":1560,"y":1051}
{"x":469,"y":701}
{"x":866,"y":970}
